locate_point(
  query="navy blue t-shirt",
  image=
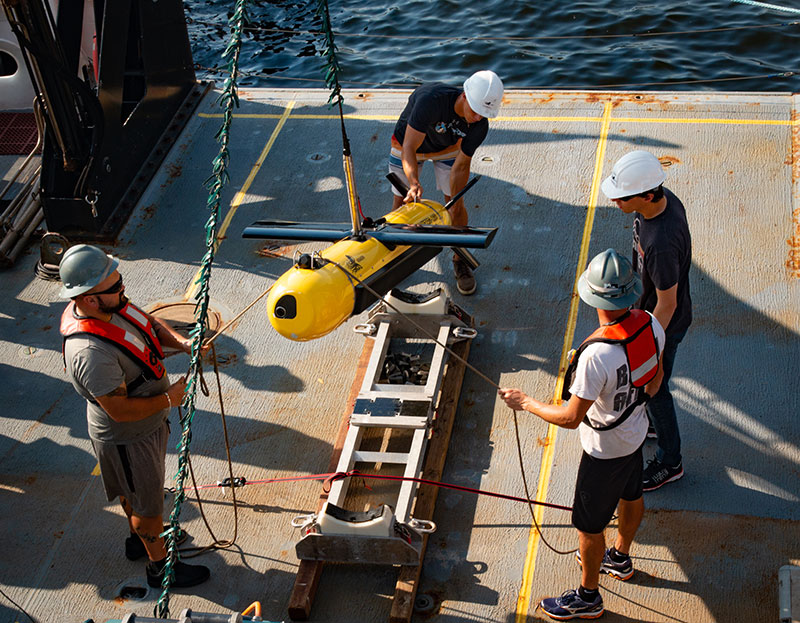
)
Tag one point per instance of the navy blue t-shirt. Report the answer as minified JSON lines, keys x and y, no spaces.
{"x":662,"y":255}
{"x":430,"y":110}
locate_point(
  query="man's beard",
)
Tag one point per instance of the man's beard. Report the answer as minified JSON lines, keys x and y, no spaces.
{"x":113,"y":309}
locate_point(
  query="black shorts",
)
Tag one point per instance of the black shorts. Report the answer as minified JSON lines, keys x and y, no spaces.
{"x":601,"y":484}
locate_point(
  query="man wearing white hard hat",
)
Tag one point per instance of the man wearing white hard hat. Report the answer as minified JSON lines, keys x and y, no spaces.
{"x":662,"y":255}
{"x":445,"y":124}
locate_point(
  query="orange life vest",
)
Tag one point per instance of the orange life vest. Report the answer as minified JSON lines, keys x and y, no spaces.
{"x":634,"y":331}
{"x":144,"y":348}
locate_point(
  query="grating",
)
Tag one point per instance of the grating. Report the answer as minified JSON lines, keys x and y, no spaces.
{"x":18,"y":133}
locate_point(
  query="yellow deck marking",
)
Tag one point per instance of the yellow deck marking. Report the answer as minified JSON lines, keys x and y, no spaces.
{"x":96,"y":470}
{"x":240,"y":195}
{"x":240,"y":115}
{"x":704,"y":120}
{"x":300,"y":116}
{"x":524,"y":598}
{"x":525,"y":119}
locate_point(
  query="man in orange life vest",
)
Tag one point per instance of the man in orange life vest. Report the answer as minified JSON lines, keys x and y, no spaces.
{"x":610,"y":376}
{"x":113,"y":357}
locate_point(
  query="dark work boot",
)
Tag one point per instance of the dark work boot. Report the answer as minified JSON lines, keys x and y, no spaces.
{"x":465,"y":280}
{"x":185,"y":575}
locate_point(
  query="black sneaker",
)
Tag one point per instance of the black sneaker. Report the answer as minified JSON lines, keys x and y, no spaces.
{"x":619,"y":570}
{"x":571,"y":606}
{"x":185,"y":575}
{"x":656,"y":474}
{"x":134,"y":548}
{"x":465,"y":280}
{"x":651,"y":432}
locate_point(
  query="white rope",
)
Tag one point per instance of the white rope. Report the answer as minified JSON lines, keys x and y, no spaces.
{"x":764,"y":5}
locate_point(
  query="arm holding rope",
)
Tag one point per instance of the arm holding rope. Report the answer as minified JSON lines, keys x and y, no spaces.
{"x":170,"y":338}
{"x":567,"y":415}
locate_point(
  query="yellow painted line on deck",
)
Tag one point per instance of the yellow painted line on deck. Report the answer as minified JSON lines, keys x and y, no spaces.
{"x":241,"y":115}
{"x":96,"y":470}
{"x":524,"y":598}
{"x":526,"y":119}
{"x":350,"y":116}
{"x":300,"y":116}
{"x":241,"y":194}
{"x":685,"y":120}
{"x":709,"y":120}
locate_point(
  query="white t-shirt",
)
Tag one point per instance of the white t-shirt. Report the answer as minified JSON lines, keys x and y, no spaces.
{"x":603,"y":375}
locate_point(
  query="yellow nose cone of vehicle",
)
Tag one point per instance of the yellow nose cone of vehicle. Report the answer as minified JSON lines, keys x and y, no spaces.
{"x":307,"y":303}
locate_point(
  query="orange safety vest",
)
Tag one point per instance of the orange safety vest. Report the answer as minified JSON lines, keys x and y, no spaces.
{"x":144,"y":349}
{"x":634,"y":331}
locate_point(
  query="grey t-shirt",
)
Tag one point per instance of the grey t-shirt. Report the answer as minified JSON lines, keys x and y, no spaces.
{"x":96,"y":368}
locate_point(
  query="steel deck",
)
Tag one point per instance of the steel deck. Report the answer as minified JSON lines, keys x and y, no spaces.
{"x":711,"y":544}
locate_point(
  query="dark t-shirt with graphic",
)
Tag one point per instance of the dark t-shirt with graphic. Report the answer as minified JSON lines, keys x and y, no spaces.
{"x":430,"y":110}
{"x":662,"y":255}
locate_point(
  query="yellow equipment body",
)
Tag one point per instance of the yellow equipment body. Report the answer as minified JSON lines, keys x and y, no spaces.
{"x":307,"y":303}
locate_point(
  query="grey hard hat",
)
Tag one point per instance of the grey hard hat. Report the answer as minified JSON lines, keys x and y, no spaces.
{"x":82,"y":268}
{"x":609,"y":282}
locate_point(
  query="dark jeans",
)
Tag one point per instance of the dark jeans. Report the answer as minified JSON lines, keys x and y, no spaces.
{"x":661,"y":409}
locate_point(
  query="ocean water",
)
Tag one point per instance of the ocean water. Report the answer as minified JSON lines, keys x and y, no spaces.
{"x":630,"y":45}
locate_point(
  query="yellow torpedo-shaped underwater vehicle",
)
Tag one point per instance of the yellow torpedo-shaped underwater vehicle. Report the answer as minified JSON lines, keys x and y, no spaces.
{"x":323,"y":290}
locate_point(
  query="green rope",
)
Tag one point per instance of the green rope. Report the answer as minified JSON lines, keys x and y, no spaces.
{"x":331,"y":65}
{"x":228,"y":100}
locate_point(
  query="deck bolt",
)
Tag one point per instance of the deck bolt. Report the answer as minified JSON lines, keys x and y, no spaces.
{"x":424,"y":603}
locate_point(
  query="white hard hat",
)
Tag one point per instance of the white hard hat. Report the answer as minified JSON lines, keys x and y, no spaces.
{"x":609,"y":282}
{"x":636,"y":172}
{"x":484,"y":91}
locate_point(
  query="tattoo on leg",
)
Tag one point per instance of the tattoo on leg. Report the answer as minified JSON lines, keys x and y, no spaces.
{"x":147,"y":537}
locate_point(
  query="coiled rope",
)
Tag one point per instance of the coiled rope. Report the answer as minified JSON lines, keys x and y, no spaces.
{"x":227,"y":100}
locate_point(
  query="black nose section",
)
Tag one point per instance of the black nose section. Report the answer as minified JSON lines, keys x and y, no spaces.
{"x":286,"y":307}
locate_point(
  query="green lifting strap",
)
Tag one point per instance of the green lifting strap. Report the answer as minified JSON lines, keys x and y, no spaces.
{"x":227,"y":100}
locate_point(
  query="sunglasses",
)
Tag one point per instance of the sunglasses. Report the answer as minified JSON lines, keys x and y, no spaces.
{"x":116,"y":287}
{"x":628,"y":198}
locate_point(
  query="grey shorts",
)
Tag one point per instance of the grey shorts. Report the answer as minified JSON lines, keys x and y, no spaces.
{"x":135,"y":470}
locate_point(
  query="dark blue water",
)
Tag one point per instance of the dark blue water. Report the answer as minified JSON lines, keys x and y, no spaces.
{"x":548,"y":44}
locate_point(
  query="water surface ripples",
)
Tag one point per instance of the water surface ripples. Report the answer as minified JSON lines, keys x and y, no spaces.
{"x":422,"y":40}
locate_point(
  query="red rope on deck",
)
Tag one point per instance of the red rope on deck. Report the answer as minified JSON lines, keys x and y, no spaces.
{"x":331,"y":477}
